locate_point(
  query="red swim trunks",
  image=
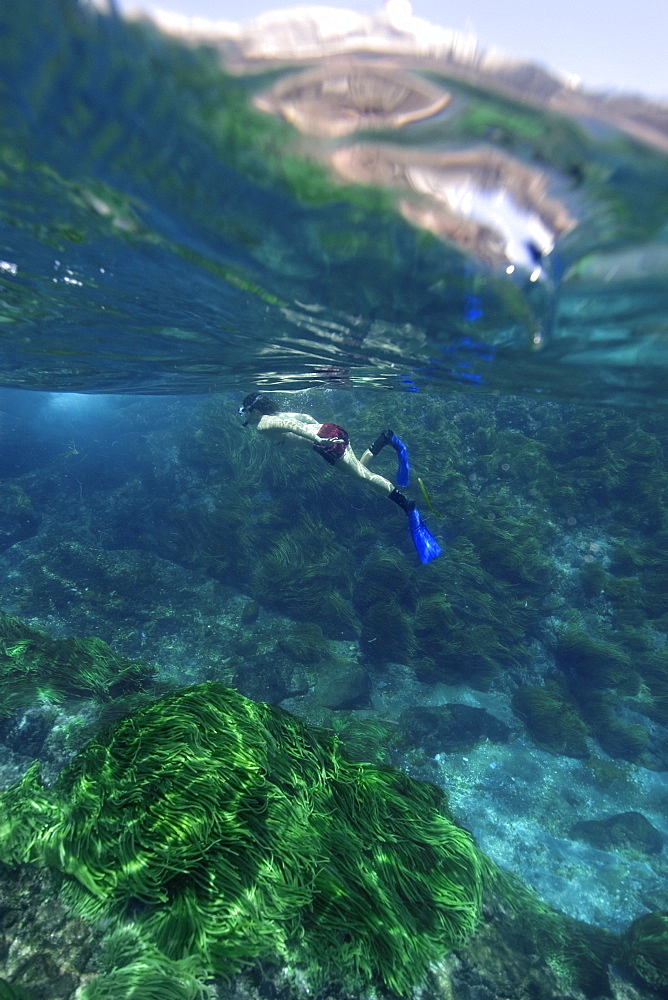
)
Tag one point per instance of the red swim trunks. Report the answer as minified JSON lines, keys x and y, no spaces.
{"x":331,"y":451}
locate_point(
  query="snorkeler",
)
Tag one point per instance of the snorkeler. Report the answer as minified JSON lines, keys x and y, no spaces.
{"x":332,"y":442}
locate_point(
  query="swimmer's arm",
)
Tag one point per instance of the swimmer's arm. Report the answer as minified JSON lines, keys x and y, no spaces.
{"x":287,"y":425}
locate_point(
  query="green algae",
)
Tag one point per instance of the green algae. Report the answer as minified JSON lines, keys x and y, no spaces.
{"x":299,"y":540}
{"x":208,"y":834}
{"x":486,"y":595}
{"x":134,"y":970}
{"x":595,"y":661}
{"x":9,"y":992}
{"x":645,"y":948}
{"x":516,"y":491}
{"x":552,"y":719}
{"x":34,"y":667}
{"x":229,"y":832}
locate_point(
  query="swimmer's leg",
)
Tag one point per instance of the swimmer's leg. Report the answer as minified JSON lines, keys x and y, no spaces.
{"x":384,"y":438}
{"x":351,"y":466}
{"x":426,"y":545}
{"x":389,"y":437}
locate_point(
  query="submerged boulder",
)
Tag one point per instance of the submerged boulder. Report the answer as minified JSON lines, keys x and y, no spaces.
{"x":624,"y":831}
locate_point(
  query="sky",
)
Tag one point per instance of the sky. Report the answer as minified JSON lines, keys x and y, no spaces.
{"x":617,"y":45}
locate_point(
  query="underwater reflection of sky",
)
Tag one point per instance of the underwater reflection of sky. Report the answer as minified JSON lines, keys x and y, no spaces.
{"x":625,"y":51}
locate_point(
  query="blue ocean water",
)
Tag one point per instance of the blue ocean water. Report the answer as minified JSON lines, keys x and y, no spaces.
{"x":487,"y":277}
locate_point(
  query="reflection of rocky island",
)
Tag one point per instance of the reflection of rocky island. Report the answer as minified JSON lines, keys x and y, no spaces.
{"x":493,"y":185}
{"x":487,"y":203}
{"x":337,"y":98}
{"x":307,"y":33}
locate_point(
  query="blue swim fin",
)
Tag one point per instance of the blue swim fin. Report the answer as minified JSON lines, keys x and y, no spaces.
{"x":404,"y":465}
{"x":423,"y":540}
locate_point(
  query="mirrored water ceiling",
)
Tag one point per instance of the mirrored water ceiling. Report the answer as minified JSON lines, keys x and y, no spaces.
{"x":300,"y":203}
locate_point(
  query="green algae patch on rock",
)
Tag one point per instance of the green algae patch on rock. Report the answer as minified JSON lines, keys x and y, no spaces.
{"x":645,"y":947}
{"x":230,"y":832}
{"x":35,"y":667}
{"x":551,"y":719}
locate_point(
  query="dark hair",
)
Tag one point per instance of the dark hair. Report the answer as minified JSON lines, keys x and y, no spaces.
{"x":259,"y":402}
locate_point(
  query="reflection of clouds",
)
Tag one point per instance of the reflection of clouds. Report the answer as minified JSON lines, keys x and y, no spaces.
{"x":399,"y":12}
{"x":319,"y":31}
{"x":486,"y":202}
{"x":341,"y":97}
